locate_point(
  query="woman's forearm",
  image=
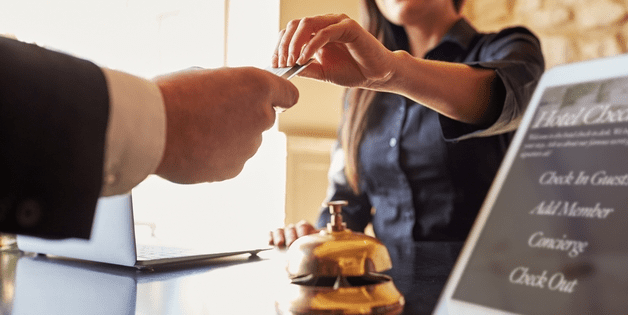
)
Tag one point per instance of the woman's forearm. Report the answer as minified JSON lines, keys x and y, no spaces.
{"x":458,"y":91}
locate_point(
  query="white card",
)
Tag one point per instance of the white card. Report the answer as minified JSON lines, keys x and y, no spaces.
{"x":289,"y":72}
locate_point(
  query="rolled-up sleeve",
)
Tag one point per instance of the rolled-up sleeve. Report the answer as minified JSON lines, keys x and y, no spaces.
{"x":515,"y":56}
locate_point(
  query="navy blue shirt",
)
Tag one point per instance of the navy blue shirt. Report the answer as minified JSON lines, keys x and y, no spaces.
{"x":424,"y":176}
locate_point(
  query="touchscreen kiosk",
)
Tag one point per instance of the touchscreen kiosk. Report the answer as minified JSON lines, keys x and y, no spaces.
{"x":552,"y":235}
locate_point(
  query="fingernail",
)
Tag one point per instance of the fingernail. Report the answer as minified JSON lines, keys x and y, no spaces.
{"x":290,"y":61}
{"x":282,"y":61}
{"x":301,"y":59}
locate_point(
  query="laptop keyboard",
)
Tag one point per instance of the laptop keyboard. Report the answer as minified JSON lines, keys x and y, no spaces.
{"x":148,"y":252}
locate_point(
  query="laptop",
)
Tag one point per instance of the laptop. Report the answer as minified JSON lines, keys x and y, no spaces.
{"x":186,"y":223}
{"x":550,"y":237}
{"x":113,"y":240}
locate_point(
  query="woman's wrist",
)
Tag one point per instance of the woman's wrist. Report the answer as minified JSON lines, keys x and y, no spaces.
{"x":396,"y":79}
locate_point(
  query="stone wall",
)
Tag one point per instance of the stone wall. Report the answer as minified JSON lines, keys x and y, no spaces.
{"x":569,"y":30}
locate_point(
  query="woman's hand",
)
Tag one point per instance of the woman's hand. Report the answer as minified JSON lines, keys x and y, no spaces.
{"x":284,"y":237}
{"x":347,"y":55}
{"x":344,"y":52}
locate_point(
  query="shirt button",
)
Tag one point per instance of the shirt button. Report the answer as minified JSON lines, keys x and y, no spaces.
{"x":392,"y":142}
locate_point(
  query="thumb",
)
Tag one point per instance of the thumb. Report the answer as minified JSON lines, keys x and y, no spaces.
{"x":284,"y":95}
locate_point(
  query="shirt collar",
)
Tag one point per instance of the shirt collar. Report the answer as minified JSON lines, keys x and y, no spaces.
{"x":461,"y":33}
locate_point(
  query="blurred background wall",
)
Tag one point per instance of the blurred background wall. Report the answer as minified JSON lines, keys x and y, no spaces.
{"x":570,"y":30}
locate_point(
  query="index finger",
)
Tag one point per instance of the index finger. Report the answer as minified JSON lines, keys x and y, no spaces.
{"x":274,"y":61}
{"x":307,"y":29}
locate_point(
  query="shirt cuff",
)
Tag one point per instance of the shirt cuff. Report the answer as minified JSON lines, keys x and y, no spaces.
{"x":136,"y":132}
{"x":518,"y":80}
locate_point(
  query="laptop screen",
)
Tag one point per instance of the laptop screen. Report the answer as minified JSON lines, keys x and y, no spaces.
{"x":550,"y":237}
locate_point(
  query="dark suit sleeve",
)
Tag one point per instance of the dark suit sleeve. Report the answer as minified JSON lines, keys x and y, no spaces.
{"x":53,"y":118}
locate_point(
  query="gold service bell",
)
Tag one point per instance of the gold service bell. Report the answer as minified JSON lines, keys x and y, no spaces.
{"x":338,"y":271}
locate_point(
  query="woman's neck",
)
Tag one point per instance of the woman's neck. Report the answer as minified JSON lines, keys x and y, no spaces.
{"x":424,"y":36}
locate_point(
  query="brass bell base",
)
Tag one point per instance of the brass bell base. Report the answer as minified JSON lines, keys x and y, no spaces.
{"x":378,"y":298}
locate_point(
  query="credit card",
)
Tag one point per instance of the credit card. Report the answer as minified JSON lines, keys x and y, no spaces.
{"x":289,"y":72}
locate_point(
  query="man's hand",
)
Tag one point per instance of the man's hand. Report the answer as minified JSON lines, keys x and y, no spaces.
{"x":215,"y":119}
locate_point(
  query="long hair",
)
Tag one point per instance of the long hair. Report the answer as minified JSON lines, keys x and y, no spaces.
{"x":359,"y":100}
